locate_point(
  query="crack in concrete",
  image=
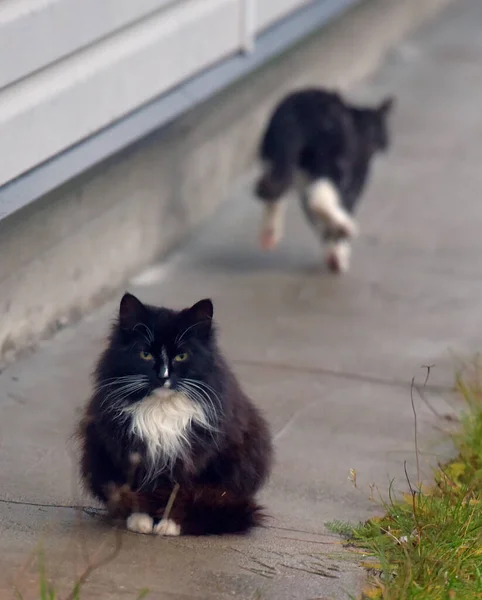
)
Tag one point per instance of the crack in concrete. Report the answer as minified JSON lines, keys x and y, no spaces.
{"x":292,"y":419}
{"x":97,"y":510}
{"x":43,"y":505}
{"x":341,"y":375}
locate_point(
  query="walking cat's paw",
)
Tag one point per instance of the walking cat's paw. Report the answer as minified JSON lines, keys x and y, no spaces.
{"x":269,"y":239}
{"x":338,"y":257}
{"x":140,"y":523}
{"x":167,"y":527}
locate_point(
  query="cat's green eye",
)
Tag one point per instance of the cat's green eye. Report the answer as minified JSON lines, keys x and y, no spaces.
{"x":181,"y":357}
{"x":146,"y":355}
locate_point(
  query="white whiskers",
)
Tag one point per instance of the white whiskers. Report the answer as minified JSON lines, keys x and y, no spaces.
{"x":180,"y":337}
{"x":120,"y":388}
{"x":205,"y":394}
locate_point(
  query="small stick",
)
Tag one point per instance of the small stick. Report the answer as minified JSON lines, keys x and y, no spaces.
{"x":170,"y":502}
{"x":415,"y":431}
{"x":96,"y":564}
{"x":414,"y":504}
{"x":407,"y":477}
{"x":427,"y":377}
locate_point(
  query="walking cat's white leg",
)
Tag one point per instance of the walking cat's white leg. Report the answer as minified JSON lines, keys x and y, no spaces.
{"x":324,"y":199}
{"x":338,"y":255}
{"x":273,"y":224}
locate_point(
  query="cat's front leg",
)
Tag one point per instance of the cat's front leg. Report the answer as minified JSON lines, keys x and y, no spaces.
{"x":338,"y":255}
{"x":151,"y":515}
{"x":122,"y":500}
{"x":273,"y":223}
{"x":140,"y":523}
{"x":145,"y":512}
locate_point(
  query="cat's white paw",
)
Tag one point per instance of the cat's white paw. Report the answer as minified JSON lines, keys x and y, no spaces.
{"x":140,"y":523}
{"x":167,"y":527}
{"x":338,"y":258}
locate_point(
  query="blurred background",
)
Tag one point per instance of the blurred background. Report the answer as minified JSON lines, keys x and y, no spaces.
{"x":124,"y":124}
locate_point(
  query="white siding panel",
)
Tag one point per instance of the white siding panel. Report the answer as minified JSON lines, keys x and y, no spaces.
{"x":270,"y":11}
{"x":49,"y":111}
{"x":34,"y":33}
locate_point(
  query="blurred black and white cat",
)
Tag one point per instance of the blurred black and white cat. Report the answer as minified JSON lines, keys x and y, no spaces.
{"x":324,"y":147}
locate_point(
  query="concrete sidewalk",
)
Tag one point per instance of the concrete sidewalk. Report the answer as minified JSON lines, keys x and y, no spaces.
{"x":329,"y":359}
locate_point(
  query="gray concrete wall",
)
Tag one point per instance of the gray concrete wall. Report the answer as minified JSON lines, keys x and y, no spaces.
{"x":68,"y":251}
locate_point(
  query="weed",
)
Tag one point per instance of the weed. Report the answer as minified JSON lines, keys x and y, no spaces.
{"x":428,"y":546}
{"x":46,"y":589}
{"x":340,"y":528}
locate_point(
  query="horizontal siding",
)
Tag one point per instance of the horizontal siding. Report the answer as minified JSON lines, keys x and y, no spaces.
{"x":77,"y":66}
{"x":46,"y":113}
{"x":270,"y":11}
{"x":35,"y":33}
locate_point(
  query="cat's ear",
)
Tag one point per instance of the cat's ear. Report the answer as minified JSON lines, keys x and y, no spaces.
{"x":197,"y":320}
{"x":387,"y":106}
{"x":202,"y":310}
{"x":131,"y":312}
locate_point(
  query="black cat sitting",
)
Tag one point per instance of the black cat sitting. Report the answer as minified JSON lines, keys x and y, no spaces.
{"x":169,"y":424}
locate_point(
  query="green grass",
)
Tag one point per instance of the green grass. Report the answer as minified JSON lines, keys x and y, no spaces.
{"x":428,"y":546}
{"x":340,"y":528}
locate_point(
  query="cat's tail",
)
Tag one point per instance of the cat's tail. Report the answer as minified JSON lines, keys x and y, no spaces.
{"x":216,"y":518}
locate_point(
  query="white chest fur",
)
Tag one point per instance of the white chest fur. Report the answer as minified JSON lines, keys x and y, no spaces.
{"x":163,"y":422}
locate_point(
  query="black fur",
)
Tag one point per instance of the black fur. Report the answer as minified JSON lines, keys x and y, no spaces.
{"x":225,"y":464}
{"x":316,"y":132}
